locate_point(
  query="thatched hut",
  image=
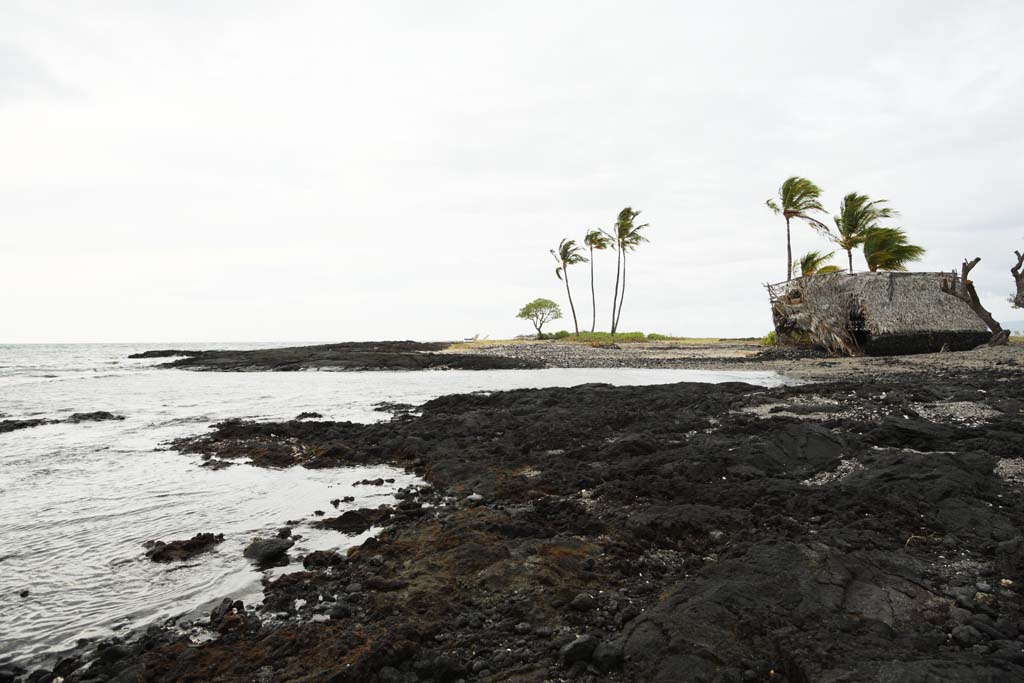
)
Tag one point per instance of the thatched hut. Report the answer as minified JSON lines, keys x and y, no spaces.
{"x":877,"y":314}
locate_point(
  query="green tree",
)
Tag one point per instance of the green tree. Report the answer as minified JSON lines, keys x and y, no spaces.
{"x":599,"y":240}
{"x":813,"y":263}
{"x":626,"y":236}
{"x":888,"y":249}
{"x":858,"y":215}
{"x":540,"y":312}
{"x":568,"y":254}
{"x":798,"y":198}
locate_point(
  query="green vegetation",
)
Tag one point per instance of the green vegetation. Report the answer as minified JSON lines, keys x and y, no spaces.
{"x":798,"y":198}
{"x":599,"y":240}
{"x":627,"y":237}
{"x":770,"y":339}
{"x":858,"y":215}
{"x":568,"y":254}
{"x":609,"y":338}
{"x":540,"y":312}
{"x":814,"y":262}
{"x":859,"y":224}
{"x":888,"y":249}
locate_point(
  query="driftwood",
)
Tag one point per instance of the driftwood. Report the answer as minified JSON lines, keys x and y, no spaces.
{"x":1018,"y":277}
{"x":963,"y":288}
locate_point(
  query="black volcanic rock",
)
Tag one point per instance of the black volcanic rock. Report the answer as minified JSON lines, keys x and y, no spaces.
{"x":719,"y":540}
{"x":177,"y":551}
{"x":13,"y":425}
{"x":387,"y":355}
{"x":96,"y":416}
{"x":165,"y":353}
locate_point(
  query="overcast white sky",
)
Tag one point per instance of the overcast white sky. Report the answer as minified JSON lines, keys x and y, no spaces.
{"x":241,"y":170}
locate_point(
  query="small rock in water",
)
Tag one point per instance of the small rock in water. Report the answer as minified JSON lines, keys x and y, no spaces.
{"x":308,"y":416}
{"x":176,"y":551}
{"x":23,"y":594}
{"x":96,"y":416}
{"x":266,"y":549}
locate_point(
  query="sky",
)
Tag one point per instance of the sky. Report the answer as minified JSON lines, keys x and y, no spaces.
{"x":222,"y":170}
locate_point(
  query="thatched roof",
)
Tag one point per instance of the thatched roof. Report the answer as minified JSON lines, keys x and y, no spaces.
{"x":846,"y":313}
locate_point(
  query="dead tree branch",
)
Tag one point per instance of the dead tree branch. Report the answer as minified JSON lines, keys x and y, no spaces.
{"x":1018,"y":278}
{"x":963,"y":288}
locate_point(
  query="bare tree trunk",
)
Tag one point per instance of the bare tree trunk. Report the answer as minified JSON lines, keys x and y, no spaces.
{"x":1018,"y":278}
{"x":593,"y":297}
{"x":615,"y":298}
{"x":849,"y":255}
{"x":789,"y":254}
{"x":963,"y":288}
{"x":576,"y":325}
{"x":622,"y":295}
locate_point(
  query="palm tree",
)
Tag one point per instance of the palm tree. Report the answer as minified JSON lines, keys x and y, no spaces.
{"x":858,"y":214}
{"x":626,"y":237}
{"x":813,"y":263}
{"x":798,"y":198}
{"x":887,"y":249}
{"x":568,"y":254}
{"x":595,"y":239}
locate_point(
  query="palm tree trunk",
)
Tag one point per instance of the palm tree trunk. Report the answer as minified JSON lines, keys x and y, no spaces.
{"x":593,"y":297}
{"x":615,"y":298}
{"x":622,"y":295}
{"x":849,"y":254}
{"x":565,"y":271}
{"x":789,"y":254}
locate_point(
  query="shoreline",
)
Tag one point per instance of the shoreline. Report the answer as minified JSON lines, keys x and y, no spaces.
{"x":870,"y":527}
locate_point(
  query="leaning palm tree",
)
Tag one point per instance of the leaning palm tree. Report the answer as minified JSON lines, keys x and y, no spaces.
{"x":813,"y":263}
{"x":798,"y":198}
{"x":595,"y":239}
{"x":888,"y":249}
{"x":568,"y":254}
{"x":627,"y":236}
{"x":858,"y":215}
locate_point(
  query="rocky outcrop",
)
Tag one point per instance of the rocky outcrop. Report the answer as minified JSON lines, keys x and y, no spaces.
{"x":177,"y":551}
{"x":683,"y":532}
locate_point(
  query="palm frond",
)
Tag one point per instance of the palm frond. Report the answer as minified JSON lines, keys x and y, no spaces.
{"x":597,"y":239}
{"x":888,"y":249}
{"x":812,"y":263}
{"x":858,"y":215}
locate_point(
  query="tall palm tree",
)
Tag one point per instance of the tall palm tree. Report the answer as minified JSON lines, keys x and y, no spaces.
{"x":813,"y":263}
{"x":627,"y":236}
{"x":798,"y":198}
{"x":595,"y":239}
{"x":568,"y":254}
{"x":888,"y":249}
{"x":858,"y":214}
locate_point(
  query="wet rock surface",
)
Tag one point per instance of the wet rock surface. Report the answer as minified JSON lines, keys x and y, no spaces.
{"x":177,"y":551}
{"x":268,"y":549}
{"x":164,"y":353}
{"x":95,"y":416}
{"x":388,"y":355}
{"x":664,"y":533}
{"x":14,"y":425}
